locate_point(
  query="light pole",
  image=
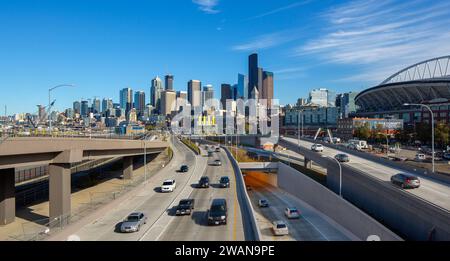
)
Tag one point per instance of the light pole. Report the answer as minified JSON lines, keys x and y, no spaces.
{"x":432,"y":128}
{"x":340,"y":174}
{"x":49,"y":101}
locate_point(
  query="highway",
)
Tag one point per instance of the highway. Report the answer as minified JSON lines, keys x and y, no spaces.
{"x":312,"y":226}
{"x":162,"y":224}
{"x":195,"y":227}
{"x":431,"y":190}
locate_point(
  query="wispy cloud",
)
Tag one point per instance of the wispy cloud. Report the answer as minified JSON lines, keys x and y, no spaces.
{"x":290,"y":73}
{"x":207,"y":6}
{"x":267,"y":41}
{"x":382,"y":37}
{"x":280,"y":9}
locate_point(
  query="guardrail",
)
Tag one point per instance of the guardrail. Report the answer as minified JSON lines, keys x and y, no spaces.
{"x":251,"y":229}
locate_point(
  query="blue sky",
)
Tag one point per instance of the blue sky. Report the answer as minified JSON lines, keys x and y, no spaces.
{"x":105,"y":45}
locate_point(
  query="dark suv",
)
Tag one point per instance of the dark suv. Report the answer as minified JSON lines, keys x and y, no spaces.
{"x":218,"y":212}
{"x":204,"y":182}
{"x":405,"y":181}
{"x":225,"y":182}
{"x":185,"y":207}
{"x":184,"y":168}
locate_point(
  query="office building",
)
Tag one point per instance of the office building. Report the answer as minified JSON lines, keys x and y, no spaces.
{"x":319,"y":97}
{"x":96,"y":106}
{"x":155,"y":94}
{"x":168,"y":102}
{"x":169,"y":82}
{"x":194,"y":93}
{"x":139,"y":103}
{"x":346,"y":103}
{"x":107,"y":104}
{"x":252,"y":73}
{"x":182,"y":99}
{"x":70,"y":113}
{"x":207,"y":94}
{"x":267,"y":88}
{"x":77,"y":107}
{"x":226,"y":94}
{"x":84,"y":111}
{"x":242,"y":87}
{"x":126,"y":99}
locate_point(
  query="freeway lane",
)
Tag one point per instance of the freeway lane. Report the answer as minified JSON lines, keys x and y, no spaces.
{"x":431,"y":190}
{"x":195,"y":227}
{"x":149,"y":201}
{"x":313,"y":226}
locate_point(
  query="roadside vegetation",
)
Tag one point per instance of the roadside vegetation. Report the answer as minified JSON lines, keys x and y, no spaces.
{"x":191,"y":145}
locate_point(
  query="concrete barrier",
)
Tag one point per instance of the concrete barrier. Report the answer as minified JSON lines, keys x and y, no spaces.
{"x":327,"y":202}
{"x":251,"y":230}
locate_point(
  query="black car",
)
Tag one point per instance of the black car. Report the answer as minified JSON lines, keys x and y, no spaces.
{"x":184,"y":168}
{"x":405,"y":181}
{"x":185,"y":207}
{"x":225,"y":182}
{"x":218,"y":212}
{"x":342,"y":158}
{"x":204,"y":182}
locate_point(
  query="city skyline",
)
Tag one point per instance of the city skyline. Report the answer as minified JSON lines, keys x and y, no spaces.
{"x":304,"y":51}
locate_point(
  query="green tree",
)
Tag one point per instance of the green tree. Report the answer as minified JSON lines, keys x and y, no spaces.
{"x":442,"y":133}
{"x":423,"y":132}
{"x":363,"y":132}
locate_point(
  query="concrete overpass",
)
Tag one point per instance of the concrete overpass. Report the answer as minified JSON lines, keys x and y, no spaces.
{"x":60,"y":154}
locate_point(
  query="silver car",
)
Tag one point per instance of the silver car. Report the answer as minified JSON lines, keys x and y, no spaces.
{"x":133,"y":222}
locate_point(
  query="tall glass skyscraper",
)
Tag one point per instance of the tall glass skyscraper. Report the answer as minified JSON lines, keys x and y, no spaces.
{"x":155,"y":94}
{"x":126,"y":99}
{"x":169,"y":82}
{"x":139,"y":103}
{"x":242,"y":87}
{"x":253,"y":72}
{"x":194,"y":93}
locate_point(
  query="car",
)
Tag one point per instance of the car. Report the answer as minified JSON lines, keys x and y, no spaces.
{"x":420,"y":157}
{"x":292,"y":213}
{"x":446,"y":156}
{"x":263,"y":203}
{"x":224,"y":182}
{"x":204,"y":182}
{"x":317,"y":148}
{"x":185,"y":207}
{"x":216,"y":163}
{"x":218,"y":149}
{"x":184,"y":168}
{"x":169,"y":185}
{"x":218,"y":212}
{"x":342,"y":158}
{"x":279,"y":228}
{"x":406,"y":181}
{"x":133,"y":222}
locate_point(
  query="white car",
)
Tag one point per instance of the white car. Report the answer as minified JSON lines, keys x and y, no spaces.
{"x":292,"y":213}
{"x":279,"y":228}
{"x":317,"y":148}
{"x":169,"y":185}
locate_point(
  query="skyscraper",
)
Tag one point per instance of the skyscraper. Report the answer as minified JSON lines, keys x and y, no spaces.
{"x":168,"y":102}
{"x":77,"y":107}
{"x":207,"y":94}
{"x":242,"y":87}
{"x":106,"y":105}
{"x":169,"y":82}
{"x":267,"y":88}
{"x":96,"y":106}
{"x":226,"y":94}
{"x":139,"y":103}
{"x":84,"y":111}
{"x":155,"y":94}
{"x":319,"y":97}
{"x":194,"y":93}
{"x":126,"y":99}
{"x":184,"y":98}
{"x":252,"y":73}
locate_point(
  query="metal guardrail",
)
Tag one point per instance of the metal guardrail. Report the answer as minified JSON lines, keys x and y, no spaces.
{"x":245,"y":203}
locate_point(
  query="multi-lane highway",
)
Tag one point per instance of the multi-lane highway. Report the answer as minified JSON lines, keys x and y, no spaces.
{"x":159,"y":207}
{"x":195,"y":227}
{"x":434,"y":191}
{"x":312,"y":226}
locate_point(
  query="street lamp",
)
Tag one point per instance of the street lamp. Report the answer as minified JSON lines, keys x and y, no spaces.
{"x":340,"y":173}
{"x":432,"y":127}
{"x":49,"y":102}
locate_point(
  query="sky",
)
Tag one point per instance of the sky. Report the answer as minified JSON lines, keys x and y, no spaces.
{"x":102,"y":46}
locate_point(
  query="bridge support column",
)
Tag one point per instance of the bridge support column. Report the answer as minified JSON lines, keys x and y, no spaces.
{"x":308,"y":163}
{"x":60,"y":191}
{"x":7,"y":196}
{"x":127,"y":168}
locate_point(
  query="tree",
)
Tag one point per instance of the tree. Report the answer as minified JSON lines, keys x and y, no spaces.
{"x":363,"y":132}
{"x":423,"y":132}
{"x":442,"y":132}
